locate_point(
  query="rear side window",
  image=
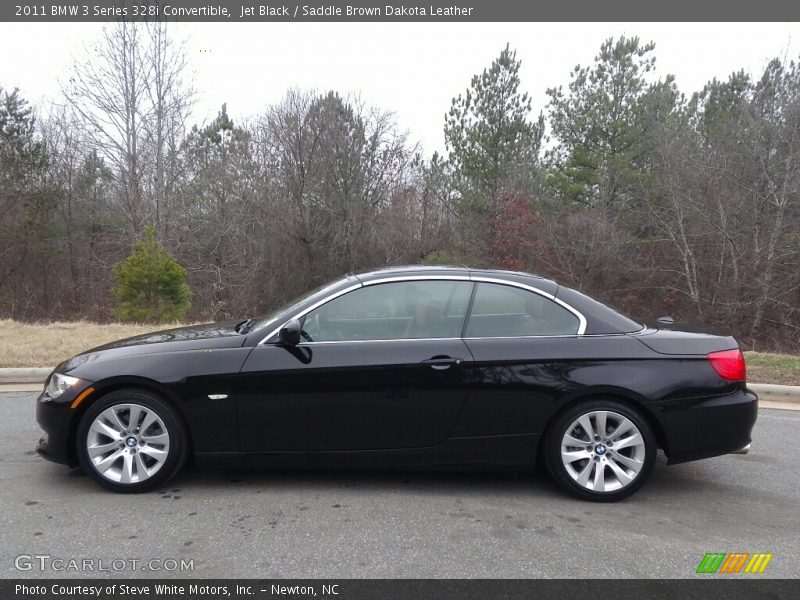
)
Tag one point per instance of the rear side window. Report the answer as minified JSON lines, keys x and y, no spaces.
{"x":506,"y":311}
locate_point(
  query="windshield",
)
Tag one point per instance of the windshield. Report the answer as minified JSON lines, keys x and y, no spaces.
{"x":285,"y":312}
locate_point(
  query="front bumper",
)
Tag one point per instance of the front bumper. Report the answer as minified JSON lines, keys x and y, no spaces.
{"x":56,"y":418}
{"x":704,"y":427}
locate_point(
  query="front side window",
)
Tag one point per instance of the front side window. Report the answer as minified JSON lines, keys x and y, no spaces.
{"x":389,"y":311}
{"x":506,"y":311}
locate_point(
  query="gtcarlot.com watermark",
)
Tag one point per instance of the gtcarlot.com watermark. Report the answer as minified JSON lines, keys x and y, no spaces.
{"x":46,"y":562}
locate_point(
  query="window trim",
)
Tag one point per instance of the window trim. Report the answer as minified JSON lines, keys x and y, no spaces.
{"x":581,"y":319}
{"x":468,"y":278}
{"x":303,"y":313}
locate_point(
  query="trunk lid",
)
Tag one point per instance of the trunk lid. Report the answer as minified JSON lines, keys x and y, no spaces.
{"x":672,"y":342}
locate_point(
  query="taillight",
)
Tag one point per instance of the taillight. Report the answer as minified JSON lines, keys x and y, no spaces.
{"x":729,"y":364}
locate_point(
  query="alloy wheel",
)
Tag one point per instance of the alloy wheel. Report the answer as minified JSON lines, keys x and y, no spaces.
{"x":603,"y":451}
{"x":127,"y":443}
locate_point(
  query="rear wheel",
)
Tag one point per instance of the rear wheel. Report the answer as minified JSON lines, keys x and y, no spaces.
{"x":131,"y":441}
{"x":600,"y":450}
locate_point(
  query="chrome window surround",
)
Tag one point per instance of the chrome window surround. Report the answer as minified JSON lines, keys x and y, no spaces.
{"x":468,"y":278}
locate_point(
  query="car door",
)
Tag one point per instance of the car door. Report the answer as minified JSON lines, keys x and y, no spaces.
{"x":380,"y":367}
{"x":523,"y":344}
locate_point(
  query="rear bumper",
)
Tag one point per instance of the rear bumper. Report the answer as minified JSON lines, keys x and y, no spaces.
{"x":745,"y":450}
{"x":703,"y":427}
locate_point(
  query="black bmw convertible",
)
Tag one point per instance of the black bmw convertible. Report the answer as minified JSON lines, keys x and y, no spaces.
{"x":415,"y":367}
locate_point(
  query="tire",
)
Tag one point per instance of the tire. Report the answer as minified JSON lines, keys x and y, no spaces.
{"x":130,"y":459}
{"x":615,"y":464}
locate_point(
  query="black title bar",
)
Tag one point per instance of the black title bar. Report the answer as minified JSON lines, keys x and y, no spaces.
{"x":238,"y":11}
{"x":417,"y":589}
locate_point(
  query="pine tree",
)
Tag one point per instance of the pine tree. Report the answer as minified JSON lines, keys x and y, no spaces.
{"x":605,"y":125}
{"x":493,"y":152}
{"x":491,"y":143}
{"x":150,"y":284}
{"x":27,"y":202}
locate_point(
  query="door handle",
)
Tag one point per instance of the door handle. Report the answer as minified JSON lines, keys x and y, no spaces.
{"x":440,"y":363}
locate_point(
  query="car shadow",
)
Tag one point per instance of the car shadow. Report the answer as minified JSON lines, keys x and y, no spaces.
{"x":435,"y":480}
{"x":685,"y":479}
{"x":419,"y":481}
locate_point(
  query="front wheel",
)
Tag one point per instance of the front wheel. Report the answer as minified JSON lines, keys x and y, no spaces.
{"x":131,"y":441}
{"x":601,"y":450}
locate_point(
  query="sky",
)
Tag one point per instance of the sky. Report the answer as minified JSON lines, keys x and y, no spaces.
{"x":411,"y":69}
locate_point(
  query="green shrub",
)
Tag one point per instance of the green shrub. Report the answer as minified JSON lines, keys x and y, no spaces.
{"x":150,"y":284}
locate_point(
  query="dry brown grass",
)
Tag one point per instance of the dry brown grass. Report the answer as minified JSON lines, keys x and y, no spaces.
{"x":47,"y":344}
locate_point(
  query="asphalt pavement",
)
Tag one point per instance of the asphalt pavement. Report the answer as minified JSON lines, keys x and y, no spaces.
{"x":378,"y":524}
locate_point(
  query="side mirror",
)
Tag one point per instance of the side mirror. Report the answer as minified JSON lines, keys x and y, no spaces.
{"x":666,"y":321}
{"x":290,"y":333}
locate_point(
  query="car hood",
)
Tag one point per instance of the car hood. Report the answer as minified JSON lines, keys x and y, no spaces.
{"x":205,"y":331}
{"x":193,"y":337}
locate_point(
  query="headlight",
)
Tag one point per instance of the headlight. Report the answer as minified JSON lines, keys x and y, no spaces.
{"x":58,"y":384}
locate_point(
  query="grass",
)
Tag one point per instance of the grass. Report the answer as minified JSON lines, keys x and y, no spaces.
{"x":47,"y":344}
{"x":763,"y":367}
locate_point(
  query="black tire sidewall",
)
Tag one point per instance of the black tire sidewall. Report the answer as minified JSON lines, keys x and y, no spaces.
{"x":556,"y":433}
{"x":178,"y":447}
